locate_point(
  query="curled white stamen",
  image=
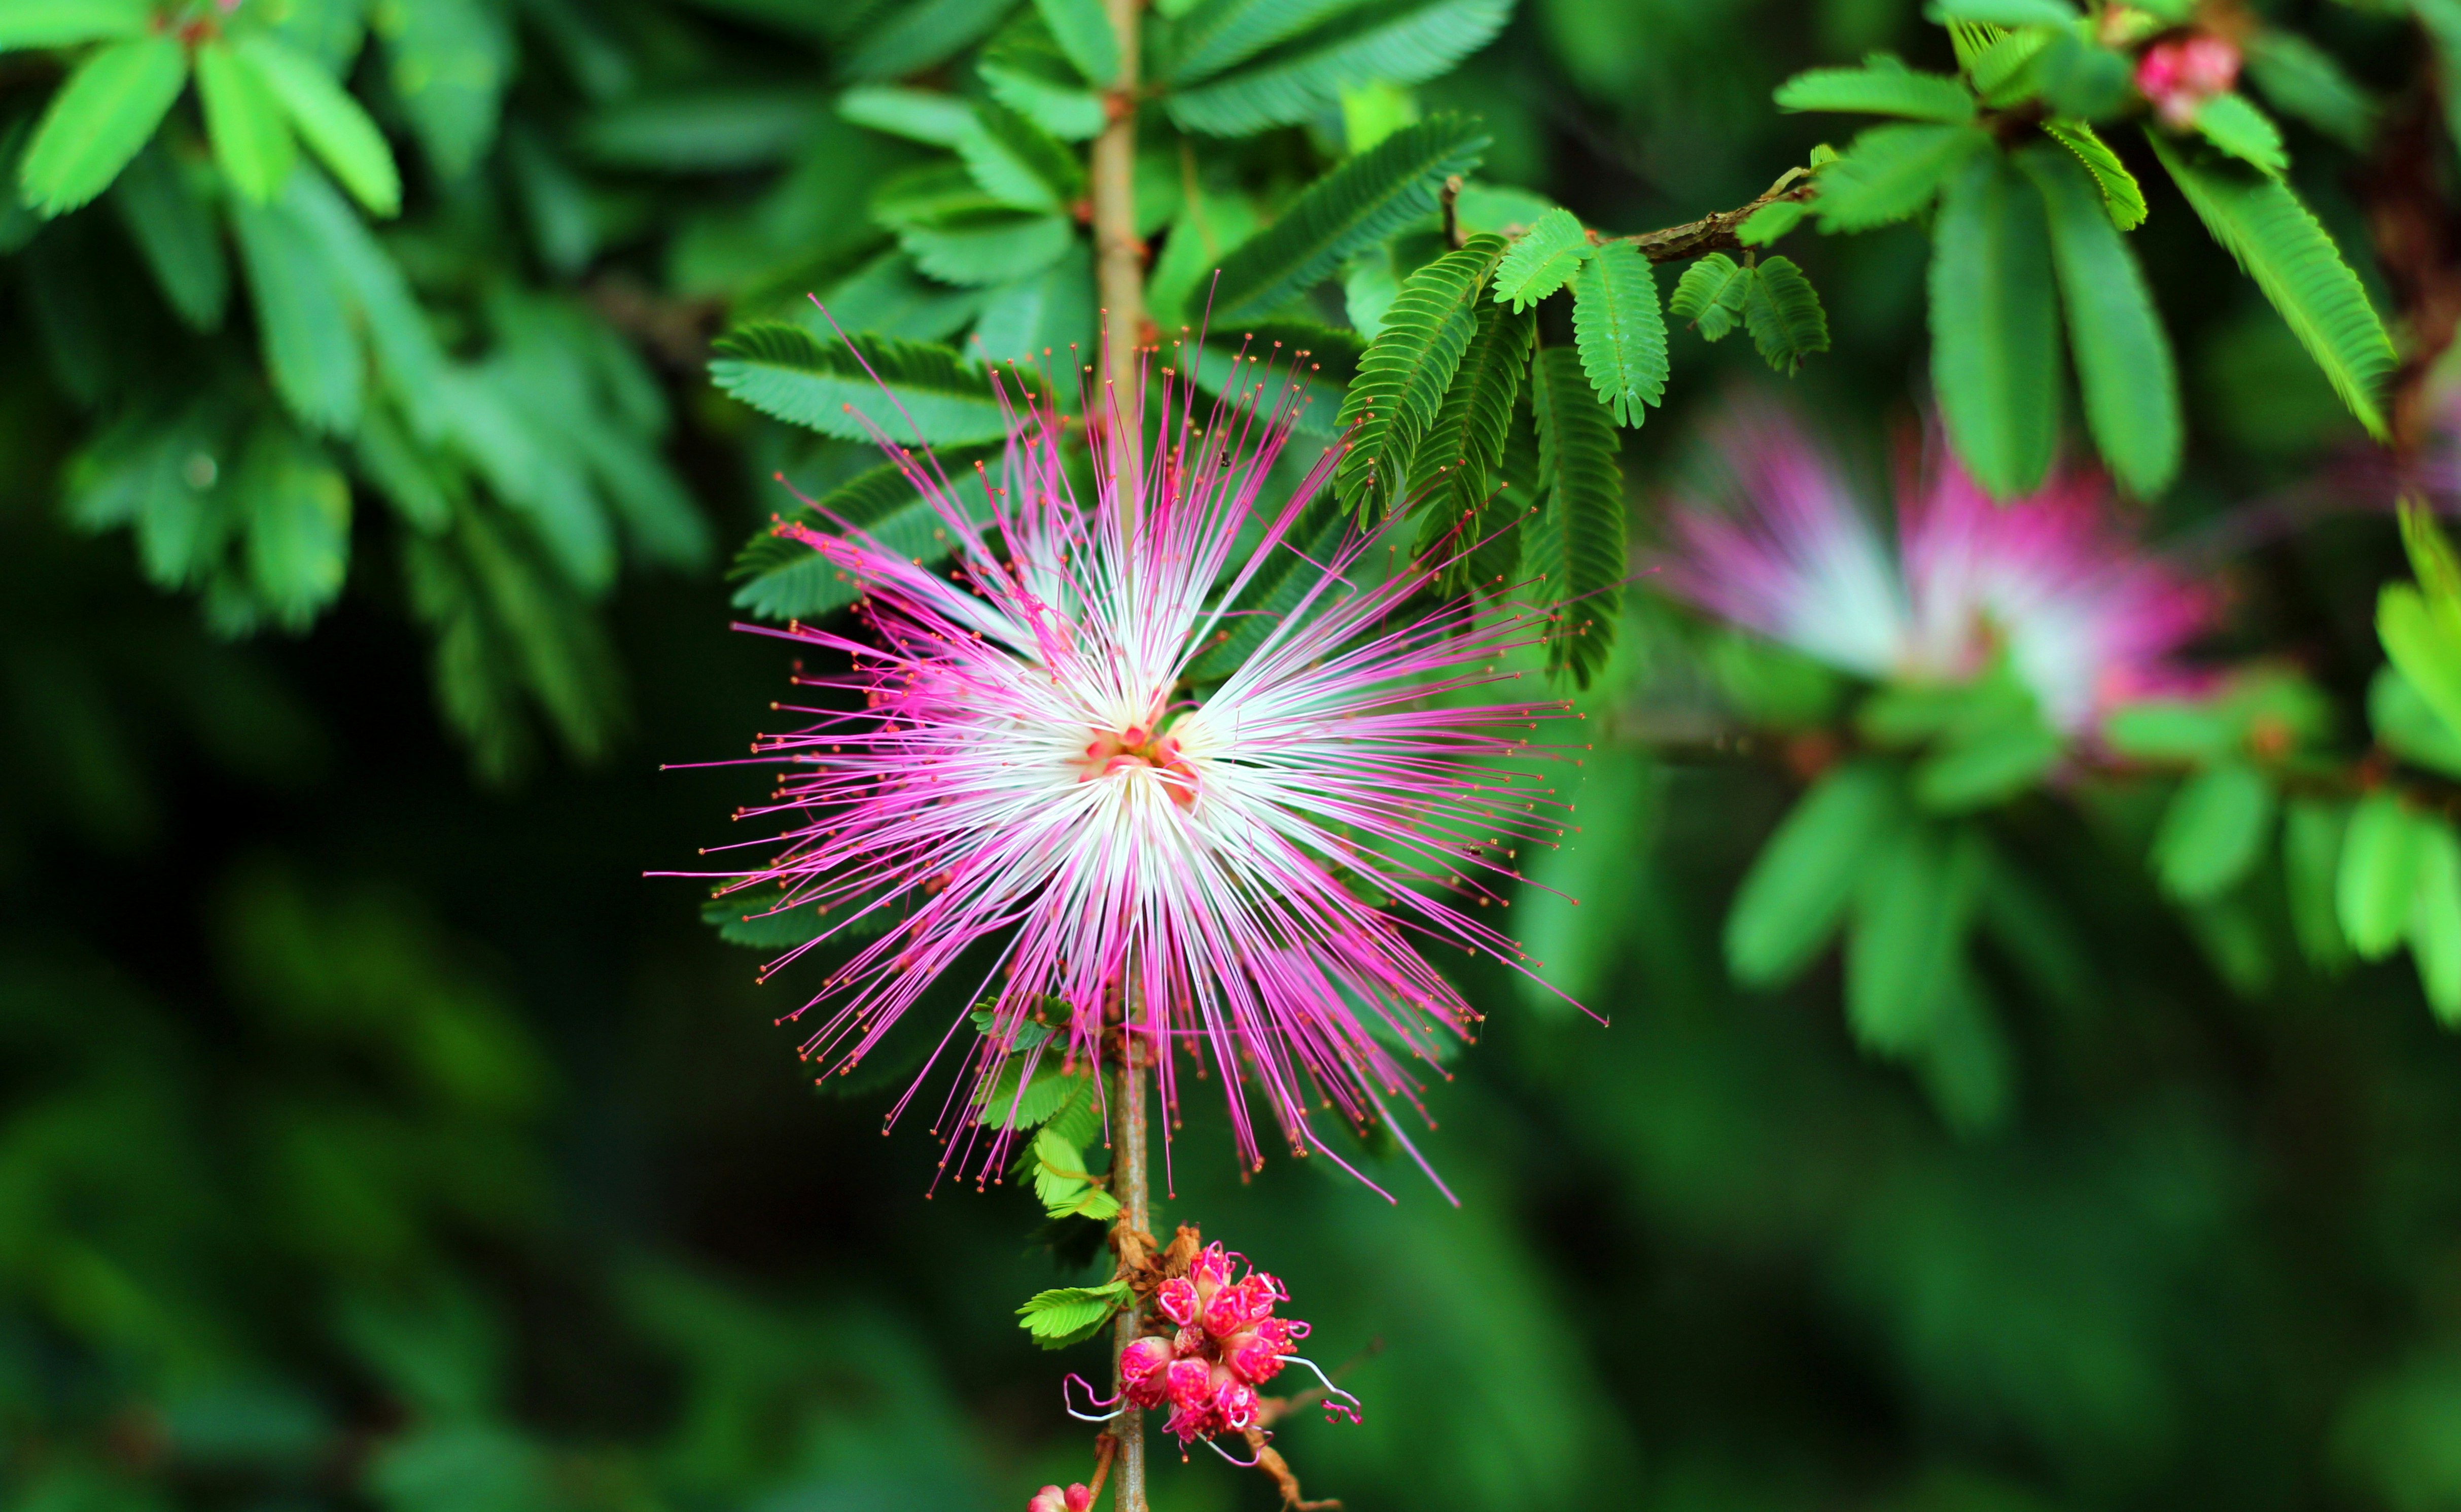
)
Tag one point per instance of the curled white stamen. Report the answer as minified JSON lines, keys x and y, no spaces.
{"x":1348,"y":1405}
{"x":1244,"y":1464}
{"x":1091,"y":1400}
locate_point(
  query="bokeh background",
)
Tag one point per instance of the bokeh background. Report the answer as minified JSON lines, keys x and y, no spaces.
{"x":373,"y":1134}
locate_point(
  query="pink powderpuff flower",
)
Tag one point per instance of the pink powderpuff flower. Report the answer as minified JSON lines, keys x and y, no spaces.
{"x":1210,"y":1376}
{"x":1245,"y":877}
{"x":2087,"y":617}
{"x":2179,"y":76}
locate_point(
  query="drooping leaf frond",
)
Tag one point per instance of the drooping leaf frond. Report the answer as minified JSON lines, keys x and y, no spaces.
{"x":1577,"y":541}
{"x":1620,"y":331}
{"x":1782,"y":310}
{"x":1882,"y":86}
{"x":1405,"y":375}
{"x":1359,"y":204}
{"x":925,"y":393}
{"x":2295,"y":263}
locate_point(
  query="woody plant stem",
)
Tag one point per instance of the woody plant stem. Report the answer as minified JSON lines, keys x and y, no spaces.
{"x":1120,"y":277}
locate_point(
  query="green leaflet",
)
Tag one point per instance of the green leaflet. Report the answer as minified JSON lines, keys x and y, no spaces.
{"x":1995,"y":352}
{"x":1890,"y":173}
{"x":245,"y":121}
{"x":785,"y":579}
{"x":1458,"y":459}
{"x":2303,"y":81}
{"x":312,"y":345}
{"x":2407,"y":725}
{"x":1387,"y":41}
{"x":2311,"y":860}
{"x":1017,"y":163}
{"x":2123,"y":355}
{"x":507,"y":626}
{"x":1577,"y":541}
{"x":2382,"y":852}
{"x":449,"y":62}
{"x":1357,"y":206}
{"x":1882,"y":86}
{"x":910,"y":38}
{"x":172,"y":222}
{"x":2434,"y":925}
{"x":1620,"y":331}
{"x":67,"y":23}
{"x":1542,"y":260}
{"x":298,"y":543}
{"x":2214,"y":831}
{"x":2281,"y":246}
{"x":1903,"y":951}
{"x":918,"y":114}
{"x":986,"y":249}
{"x":1045,"y":316}
{"x":1060,"y":1180}
{"x":1405,"y":375}
{"x":1782,"y":310}
{"x":1026,"y":70}
{"x":331,"y":123}
{"x":1067,"y":1315}
{"x":1771,"y":221}
{"x":1711,"y":294}
{"x":98,"y":120}
{"x":2121,"y":194}
{"x":1084,"y":33}
{"x":1795,"y":894}
{"x":926,"y":394}
{"x":2238,"y":128}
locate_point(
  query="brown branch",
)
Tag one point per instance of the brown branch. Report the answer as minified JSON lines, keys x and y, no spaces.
{"x":1119,"y":280}
{"x":1715,"y":232}
{"x":2418,"y":246}
{"x":1450,"y":200}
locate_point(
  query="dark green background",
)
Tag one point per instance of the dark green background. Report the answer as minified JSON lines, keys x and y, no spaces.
{"x":373,"y":1136}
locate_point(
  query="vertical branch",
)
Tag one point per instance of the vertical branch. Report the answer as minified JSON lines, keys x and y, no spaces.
{"x":1129,"y":1186}
{"x":1120,"y":258}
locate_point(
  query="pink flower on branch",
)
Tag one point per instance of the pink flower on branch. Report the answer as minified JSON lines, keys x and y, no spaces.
{"x":2087,"y":617}
{"x":1017,"y":766}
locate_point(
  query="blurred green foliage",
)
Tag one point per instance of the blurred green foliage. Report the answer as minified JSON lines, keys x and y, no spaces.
{"x":374,"y":1139}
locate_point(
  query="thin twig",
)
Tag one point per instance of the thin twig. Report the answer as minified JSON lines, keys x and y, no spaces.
{"x":1715,"y":232}
{"x":1131,"y":1237}
{"x":1450,"y":199}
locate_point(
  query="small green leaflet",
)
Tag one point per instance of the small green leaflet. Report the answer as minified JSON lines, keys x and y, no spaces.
{"x":2123,"y":354}
{"x":98,"y":120}
{"x":1890,"y":173}
{"x":2121,"y":194}
{"x":330,"y":120}
{"x":1771,"y":222}
{"x":171,"y":219}
{"x":1393,"y":42}
{"x":1783,"y":312}
{"x":1067,"y":1315}
{"x":1883,"y":86}
{"x":2213,"y":831}
{"x":1061,"y":1182}
{"x":2311,"y":860}
{"x":2238,"y":128}
{"x":2303,"y":80}
{"x":2295,"y":263}
{"x":1083,"y":31}
{"x":1542,"y":260}
{"x":1793,"y":897}
{"x":66,"y":23}
{"x":312,"y":345}
{"x":2421,"y":627}
{"x":1710,"y":295}
{"x":249,"y":130}
{"x":1995,"y":340}
{"x":1620,"y":331}
{"x":2382,"y":853}
{"x":1911,"y":908}
{"x":2435,"y":923}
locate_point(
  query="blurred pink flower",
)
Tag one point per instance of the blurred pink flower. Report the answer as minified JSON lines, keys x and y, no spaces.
{"x":2085,"y":615}
{"x":2179,"y":76}
{"x":1245,"y":877}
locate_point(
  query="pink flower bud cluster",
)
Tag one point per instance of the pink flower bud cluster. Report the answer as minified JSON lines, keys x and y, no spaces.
{"x":1227,"y":1343}
{"x":1051,"y":1498}
{"x":2179,"y":76}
